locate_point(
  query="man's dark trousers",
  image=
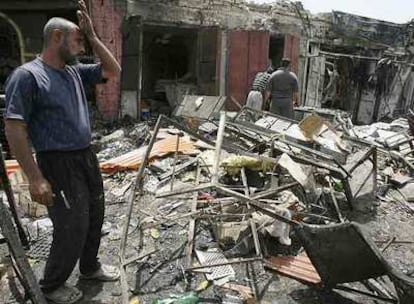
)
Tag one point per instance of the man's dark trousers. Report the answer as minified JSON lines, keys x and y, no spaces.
{"x":77,"y":223}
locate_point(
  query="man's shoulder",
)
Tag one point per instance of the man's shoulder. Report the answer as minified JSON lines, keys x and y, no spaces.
{"x":259,"y":75}
{"x":293,"y":75}
{"x":30,"y":66}
{"x":277,"y":73}
{"x":23,"y":73}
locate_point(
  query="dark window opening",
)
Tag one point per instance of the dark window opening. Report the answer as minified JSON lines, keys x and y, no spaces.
{"x":168,"y":67}
{"x":276,"y":48}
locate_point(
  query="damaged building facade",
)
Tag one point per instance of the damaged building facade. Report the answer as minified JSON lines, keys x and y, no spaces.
{"x":172,"y":48}
{"x":202,"y":48}
{"x":356,"y":64}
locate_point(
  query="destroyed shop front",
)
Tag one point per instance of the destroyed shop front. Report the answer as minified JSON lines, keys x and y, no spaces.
{"x":197,"y":48}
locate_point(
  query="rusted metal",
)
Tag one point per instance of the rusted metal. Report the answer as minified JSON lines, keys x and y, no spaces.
{"x":135,"y":159}
{"x":297,"y":267}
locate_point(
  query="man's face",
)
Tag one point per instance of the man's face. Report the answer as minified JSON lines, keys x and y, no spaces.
{"x":71,"y":46}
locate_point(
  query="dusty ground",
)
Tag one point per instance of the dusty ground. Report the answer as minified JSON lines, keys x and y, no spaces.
{"x":382,"y":222}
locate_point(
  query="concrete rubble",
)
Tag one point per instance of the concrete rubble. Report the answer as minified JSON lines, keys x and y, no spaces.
{"x":210,"y":218}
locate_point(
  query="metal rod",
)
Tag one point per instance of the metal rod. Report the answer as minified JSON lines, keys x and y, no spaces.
{"x":138,"y":186}
{"x":349,"y":56}
{"x":273,"y":191}
{"x":375,"y":168}
{"x":184,"y":190}
{"x":226,"y":145}
{"x":178,"y":169}
{"x":12,"y":202}
{"x":335,"y":202}
{"x":140,"y":257}
{"x":388,"y":244}
{"x":177,"y":145}
{"x":255,"y":237}
{"x":17,"y":253}
{"x":131,"y":198}
{"x":192,"y":225}
{"x":348,"y":289}
{"x":257,"y":205}
{"x":237,"y":261}
{"x":219,"y":143}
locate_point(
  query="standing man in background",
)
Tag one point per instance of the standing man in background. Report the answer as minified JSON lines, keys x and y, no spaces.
{"x":257,"y":94}
{"x":46,"y":108}
{"x":283,"y":87}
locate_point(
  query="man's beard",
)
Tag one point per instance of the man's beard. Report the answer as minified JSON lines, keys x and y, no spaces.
{"x":65,"y":54}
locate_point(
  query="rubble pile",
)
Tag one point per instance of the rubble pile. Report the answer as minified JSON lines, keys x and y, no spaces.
{"x":217,"y":209}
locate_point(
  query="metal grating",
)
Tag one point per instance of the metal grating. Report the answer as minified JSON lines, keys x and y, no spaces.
{"x":210,"y":258}
{"x":40,"y":249}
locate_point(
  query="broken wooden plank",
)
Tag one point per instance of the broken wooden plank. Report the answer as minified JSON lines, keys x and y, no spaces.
{"x":297,"y":267}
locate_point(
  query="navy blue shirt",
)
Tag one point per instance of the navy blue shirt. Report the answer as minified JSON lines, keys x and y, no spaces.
{"x":52,"y":102}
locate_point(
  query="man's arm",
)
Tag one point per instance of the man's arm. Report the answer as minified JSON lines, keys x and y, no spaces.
{"x":266,"y":101}
{"x":39,"y":187}
{"x":296,"y":98}
{"x":110,"y":67}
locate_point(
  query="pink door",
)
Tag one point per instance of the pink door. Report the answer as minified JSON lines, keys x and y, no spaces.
{"x":248,"y":54}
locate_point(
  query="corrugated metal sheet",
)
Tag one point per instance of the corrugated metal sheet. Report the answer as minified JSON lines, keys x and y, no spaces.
{"x":297,"y":267}
{"x":248,"y":54}
{"x":132,"y":160}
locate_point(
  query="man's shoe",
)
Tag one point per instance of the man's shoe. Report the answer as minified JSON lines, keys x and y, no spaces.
{"x":65,"y":294}
{"x":106,"y":273}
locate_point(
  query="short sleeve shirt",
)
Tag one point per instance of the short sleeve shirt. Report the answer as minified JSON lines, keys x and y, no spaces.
{"x":260,"y":81}
{"x":52,"y":103}
{"x":282,"y":84}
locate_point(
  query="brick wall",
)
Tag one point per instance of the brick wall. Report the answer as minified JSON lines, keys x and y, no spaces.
{"x":107,"y":17}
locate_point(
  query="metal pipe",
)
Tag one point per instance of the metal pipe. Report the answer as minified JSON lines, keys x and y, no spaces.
{"x":192,"y":224}
{"x":177,"y":145}
{"x":219,"y":143}
{"x":137,"y":185}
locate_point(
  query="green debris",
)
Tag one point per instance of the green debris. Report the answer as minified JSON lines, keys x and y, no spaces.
{"x":186,"y":298}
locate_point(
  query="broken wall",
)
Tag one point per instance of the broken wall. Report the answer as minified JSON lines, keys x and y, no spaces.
{"x":360,"y":89}
{"x":107,"y":18}
{"x":231,"y":18}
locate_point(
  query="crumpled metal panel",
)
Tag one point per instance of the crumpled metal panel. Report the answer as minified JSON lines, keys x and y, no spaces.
{"x":201,"y":107}
{"x":341,"y":253}
{"x":210,"y":258}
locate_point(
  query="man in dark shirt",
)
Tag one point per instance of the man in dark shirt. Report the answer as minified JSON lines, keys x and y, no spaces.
{"x":46,"y":108}
{"x":283,"y":87}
